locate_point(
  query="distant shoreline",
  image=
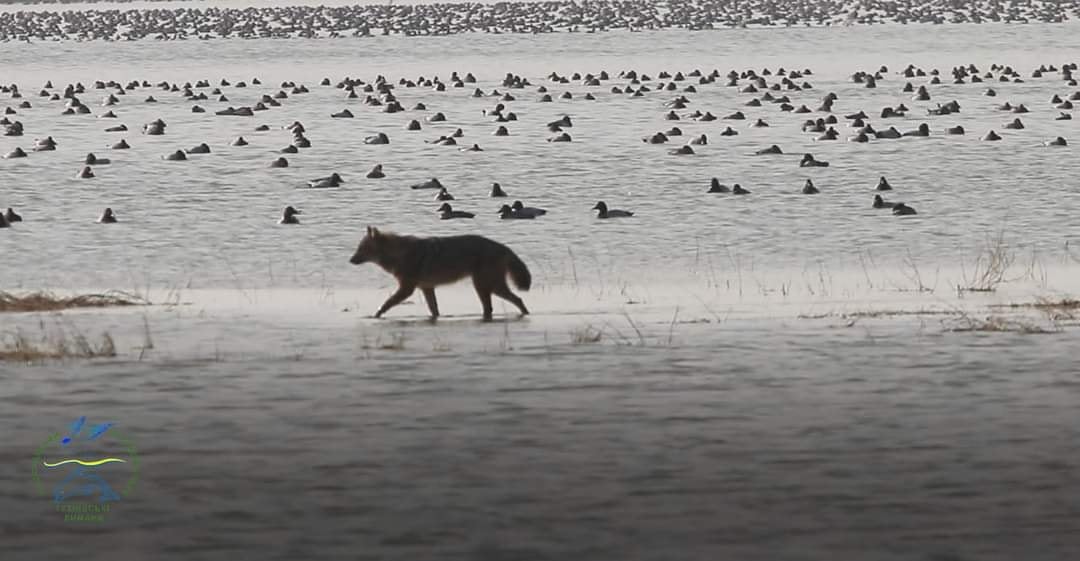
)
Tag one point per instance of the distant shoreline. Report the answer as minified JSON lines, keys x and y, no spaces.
{"x":38,"y":2}
{"x":275,"y":19}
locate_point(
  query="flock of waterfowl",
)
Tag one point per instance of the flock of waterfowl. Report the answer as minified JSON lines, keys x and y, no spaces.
{"x":780,"y":90}
{"x":506,"y":17}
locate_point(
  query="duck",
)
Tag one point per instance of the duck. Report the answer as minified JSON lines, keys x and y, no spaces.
{"x":86,"y":173}
{"x":44,"y":144}
{"x":563,"y":122}
{"x":380,"y":138}
{"x":443,"y":195}
{"x":11,"y":216}
{"x":882,"y":203}
{"x":830,"y":134}
{"x":883,"y":184}
{"x":200,"y":149}
{"x":446,"y":212}
{"x":376,"y":172}
{"x":901,"y":209}
{"x":92,"y":160}
{"x":923,"y":130}
{"x":520,"y":208}
{"x":333,"y":180}
{"x":808,"y":161}
{"x":716,"y":187}
{"x":107,"y":217}
{"x":288,"y":216}
{"x":432,"y":183}
{"x":774,"y":149}
{"x":888,"y":134}
{"x":506,"y":213}
{"x":442,"y":141}
{"x":809,"y":189}
{"x":497,"y":190}
{"x":603,"y":211}
{"x":737,"y":189}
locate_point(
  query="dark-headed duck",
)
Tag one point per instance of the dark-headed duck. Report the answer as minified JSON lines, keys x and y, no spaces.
{"x":604,"y":212}
{"x":520,"y":208}
{"x":716,"y":187}
{"x":882,"y":203}
{"x":432,"y":183}
{"x":901,"y":209}
{"x":505,"y":212}
{"x":446,"y":212}
{"x":333,"y":180}
{"x":288,"y":216}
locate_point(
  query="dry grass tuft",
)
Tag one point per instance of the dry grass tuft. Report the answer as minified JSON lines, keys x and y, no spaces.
{"x":586,"y":335}
{"x":874,"y":314}
{"x":66,"y":342}
{"x":383,"y":342}
{"x":998,"y":324}
{"x":1066,"y":309}
{"x":990,"y":266}
{"x":48,"y":302}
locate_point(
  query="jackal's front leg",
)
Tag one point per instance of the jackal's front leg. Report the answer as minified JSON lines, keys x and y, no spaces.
{"x":403,"y":292}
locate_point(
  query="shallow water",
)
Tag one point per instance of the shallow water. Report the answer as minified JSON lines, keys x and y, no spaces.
{"x":733,"y":406}
{"x":736,"y":438}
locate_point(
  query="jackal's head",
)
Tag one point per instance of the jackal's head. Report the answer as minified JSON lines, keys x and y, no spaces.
{"x":368,"y":249}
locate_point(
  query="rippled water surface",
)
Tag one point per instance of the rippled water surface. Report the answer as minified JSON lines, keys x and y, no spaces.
{"x":701,"y":381}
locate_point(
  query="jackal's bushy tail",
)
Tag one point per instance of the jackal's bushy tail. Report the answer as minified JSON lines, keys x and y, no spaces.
{"x":519,"y":273}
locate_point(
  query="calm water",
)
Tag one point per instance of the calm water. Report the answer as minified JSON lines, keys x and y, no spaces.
{"x":273,"y":423}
